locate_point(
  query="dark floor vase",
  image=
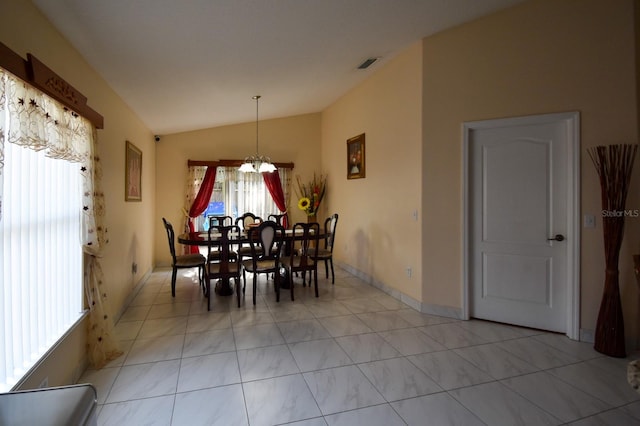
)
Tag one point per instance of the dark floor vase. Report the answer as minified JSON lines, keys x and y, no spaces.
{"x":614,"y":164}
{"x":609,"y":338}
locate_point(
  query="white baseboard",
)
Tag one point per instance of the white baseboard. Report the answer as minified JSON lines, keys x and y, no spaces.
{"x":442,"y":311}
{"x":587,"y":336}
{"x":425,"y":308}
{"x":134,"y":292}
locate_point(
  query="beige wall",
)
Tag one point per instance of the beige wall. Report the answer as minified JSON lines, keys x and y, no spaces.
{"x":377,"y":234}
{"x":131,"y":232}
{"x":293,"y":139}
{"x":541,"y":56}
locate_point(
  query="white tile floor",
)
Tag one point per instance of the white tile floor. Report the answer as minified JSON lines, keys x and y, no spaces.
{"x":354,"y":356}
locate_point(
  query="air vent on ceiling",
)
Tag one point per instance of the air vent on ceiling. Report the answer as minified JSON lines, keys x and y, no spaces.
{"x":367,"y":63}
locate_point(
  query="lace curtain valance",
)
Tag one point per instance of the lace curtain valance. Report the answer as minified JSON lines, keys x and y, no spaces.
{"x":39,"y":122}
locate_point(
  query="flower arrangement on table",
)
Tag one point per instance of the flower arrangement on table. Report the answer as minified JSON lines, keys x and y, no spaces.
{"x":311,"y":194}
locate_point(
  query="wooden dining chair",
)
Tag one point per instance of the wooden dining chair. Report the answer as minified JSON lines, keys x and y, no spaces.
{"x":226,"y":267}
{"x":265,"y":243}
{"x":213,"y":255}
{"x":325,"y":253}
{"x":307,"y":236}
{"x":220,"y":220}
{"x":280,"y":219}
{"x":195,"y":260}
{"x":247,"y":222}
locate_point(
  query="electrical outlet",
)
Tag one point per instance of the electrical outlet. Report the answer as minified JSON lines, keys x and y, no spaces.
{"x":589,"y":221}
{"x":409,"y":271}
{"x":44,"y":383}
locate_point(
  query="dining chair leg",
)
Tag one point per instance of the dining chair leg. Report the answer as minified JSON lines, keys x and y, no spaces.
{"x":174,"y":274}
{"x":276,"y":284}
{"x":326,"y":267}
{"x":315,"y":280}
{"x":255,"y":284}
{"x":333,"y":275}
{"x":291,"y":284}
{"x":208,"y":294}
{"x":237,"y":283}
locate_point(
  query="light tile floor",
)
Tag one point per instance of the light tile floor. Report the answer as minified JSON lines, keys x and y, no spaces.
{"x":354,"y":356}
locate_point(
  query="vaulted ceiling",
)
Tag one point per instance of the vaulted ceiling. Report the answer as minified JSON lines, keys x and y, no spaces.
{"x":192,"y":64}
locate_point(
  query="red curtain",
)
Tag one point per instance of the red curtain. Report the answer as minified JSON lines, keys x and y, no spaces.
{"x":272,"y":181}
{"x":202,"y":199}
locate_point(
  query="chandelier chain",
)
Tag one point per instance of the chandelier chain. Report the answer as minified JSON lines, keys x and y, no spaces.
{"x":258,"y":163}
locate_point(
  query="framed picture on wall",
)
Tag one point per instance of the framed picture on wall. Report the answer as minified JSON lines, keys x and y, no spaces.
{"x":356,"y":166}
{"x":132,"y":173}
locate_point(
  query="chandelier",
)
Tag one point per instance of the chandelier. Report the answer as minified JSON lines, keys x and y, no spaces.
{"x":257,"y":163}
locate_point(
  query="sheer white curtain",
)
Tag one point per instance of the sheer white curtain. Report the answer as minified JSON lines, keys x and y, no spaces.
{"x":247,"y":192}
{"x":51,"y":211}
{"x":240,"y":192}
{"x":250,"y":194}
{"x":102,"y":346}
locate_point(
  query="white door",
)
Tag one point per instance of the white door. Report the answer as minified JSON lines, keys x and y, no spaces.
{"x":520,"y":224}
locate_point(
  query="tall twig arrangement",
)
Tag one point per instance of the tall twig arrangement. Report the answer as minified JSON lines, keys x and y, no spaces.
{"x":614,"y":164}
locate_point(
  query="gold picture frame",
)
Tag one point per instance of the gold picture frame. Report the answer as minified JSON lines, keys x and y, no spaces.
{"x":356,"y":166}
{"x":132,"y":173}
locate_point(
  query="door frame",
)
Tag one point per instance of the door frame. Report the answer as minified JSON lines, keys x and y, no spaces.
{"x":572,"y":123}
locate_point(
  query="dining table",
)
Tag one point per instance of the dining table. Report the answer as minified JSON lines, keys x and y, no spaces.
{"x":199,"y":238}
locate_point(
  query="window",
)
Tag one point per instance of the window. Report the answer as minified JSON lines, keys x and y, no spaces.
{"x":44,"y":148}
{"x":236,"y":193}
{"x":40,"y":257}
